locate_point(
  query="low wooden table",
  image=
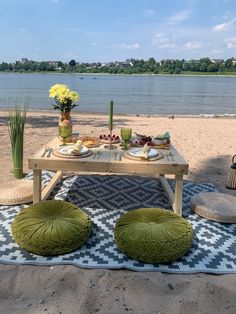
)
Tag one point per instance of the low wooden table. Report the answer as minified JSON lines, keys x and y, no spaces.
{"x":109,"y":162}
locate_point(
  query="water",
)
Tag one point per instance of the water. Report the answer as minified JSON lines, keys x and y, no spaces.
{"x":158,"y":95}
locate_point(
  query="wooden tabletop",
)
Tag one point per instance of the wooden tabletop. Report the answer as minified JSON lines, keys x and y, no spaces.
{"x":109,"y":161}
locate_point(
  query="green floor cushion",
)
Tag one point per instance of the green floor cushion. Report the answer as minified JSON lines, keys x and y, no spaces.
{"x":51,"y":227}
{"x":153,"y":235}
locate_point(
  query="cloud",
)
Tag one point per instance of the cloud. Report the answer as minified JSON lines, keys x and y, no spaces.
{"x":231,"y":42}
{"x":223,"y":26}
{"x":128,"y":46}
{"x":179,"y":17}
{"x":192,"y":45}
{"x":163,"y":41}
{"x":220,"y":27}
{"x":55,"y":1}
{"x":150,"y":12}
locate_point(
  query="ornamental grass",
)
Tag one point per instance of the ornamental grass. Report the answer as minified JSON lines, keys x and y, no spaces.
{"x":16,"y":119}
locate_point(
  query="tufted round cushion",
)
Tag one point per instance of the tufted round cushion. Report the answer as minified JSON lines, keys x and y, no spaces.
{"x":51,"y":227}
{"x":153,"y":235}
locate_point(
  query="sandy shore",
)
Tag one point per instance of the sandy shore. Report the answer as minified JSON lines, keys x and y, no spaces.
{"x":208,"y":145}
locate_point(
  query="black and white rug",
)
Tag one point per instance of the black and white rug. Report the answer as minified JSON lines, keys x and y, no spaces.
{"x":105,"y":198}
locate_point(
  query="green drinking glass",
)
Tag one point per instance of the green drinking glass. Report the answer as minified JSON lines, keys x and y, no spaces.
{"x":64,"y":132}
{"x":126,"y":134}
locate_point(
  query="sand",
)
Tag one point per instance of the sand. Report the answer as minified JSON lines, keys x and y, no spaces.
{"x":208,"y":144}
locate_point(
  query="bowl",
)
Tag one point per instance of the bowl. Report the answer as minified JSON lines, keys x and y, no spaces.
{"x":159,"y":141}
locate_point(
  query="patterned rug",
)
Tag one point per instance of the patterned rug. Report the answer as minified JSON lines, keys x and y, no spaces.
{"x":105,"y":198}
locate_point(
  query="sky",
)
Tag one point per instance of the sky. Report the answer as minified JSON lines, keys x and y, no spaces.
{"x":116,"y":30}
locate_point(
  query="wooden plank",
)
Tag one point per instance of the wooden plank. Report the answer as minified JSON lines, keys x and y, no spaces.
{"x":37,"y":183}
{"x":49,"y":187}
{"x":167,"y":188}
{"x":177,"y":205}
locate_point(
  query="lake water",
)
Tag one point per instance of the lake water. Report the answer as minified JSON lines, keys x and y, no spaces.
{"x":159,"y":95}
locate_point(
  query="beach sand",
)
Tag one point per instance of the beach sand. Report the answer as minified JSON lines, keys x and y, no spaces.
{"x":208,"y":145}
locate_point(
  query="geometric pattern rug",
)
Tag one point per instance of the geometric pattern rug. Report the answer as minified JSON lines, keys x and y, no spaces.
{"x":105,"y":198}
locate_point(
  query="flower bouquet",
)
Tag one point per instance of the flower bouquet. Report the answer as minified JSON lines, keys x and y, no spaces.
{"x":64,"y":102}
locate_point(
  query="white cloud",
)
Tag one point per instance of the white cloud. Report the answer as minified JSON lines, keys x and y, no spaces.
{"x":150,"y":12}
{"x":179,"y":17}
{"x":22,"y":29}
{"x":162,"y":41}
{"x":223,"y":26}
{"x":192,"y":45}
{"x":220,"y":27}
{"x":231,"y":42}
{"x":95,"y":44}
{"x":128,"y":46}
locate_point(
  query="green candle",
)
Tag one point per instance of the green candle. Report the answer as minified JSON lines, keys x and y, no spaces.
{"x":111,"y":115}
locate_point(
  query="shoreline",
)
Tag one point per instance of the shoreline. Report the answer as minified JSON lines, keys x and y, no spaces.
{"x":124,"y":74}
{"x":170,"y":116}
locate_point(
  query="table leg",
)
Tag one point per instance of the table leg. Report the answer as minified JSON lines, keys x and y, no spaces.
{"x":37,"y":183}
{"x":178,"y":197}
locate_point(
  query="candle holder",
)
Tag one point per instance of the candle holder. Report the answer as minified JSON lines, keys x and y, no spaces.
{"x":110,"y":145}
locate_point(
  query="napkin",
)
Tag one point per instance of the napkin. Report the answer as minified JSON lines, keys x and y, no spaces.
{"x":77,"y":146}
{"x":144,"y":152}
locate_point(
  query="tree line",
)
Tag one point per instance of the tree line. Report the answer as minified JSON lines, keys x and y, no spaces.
{"x":129,"y":66}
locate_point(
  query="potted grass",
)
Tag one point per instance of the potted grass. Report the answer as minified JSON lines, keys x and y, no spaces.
{"x":16,"y":119}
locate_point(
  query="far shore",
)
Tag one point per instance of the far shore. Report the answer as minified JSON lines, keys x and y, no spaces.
{"x":124,"y":74}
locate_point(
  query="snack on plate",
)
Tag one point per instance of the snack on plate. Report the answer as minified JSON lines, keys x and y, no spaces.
{"x":109,"y":139}
{"x":162,"y":140}
{"x":140,"y":140}
{"x":90,"y":141}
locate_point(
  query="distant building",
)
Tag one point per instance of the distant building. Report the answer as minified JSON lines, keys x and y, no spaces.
{"x":217,"y":61}
{"x":234,"y":61}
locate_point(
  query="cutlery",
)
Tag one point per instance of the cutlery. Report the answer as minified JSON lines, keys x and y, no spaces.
{"x":172,"y":156}
{"x":49,"y":152}
{"x":99,"y":154}
{"x":167,"y":156}
{"x":95,"y":154}
{"x":45,"y":151}
{"x":115,"y":155}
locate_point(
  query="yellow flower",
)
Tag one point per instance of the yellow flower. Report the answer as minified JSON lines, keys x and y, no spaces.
{"x":74,"y":96}
{"x":63,"y":96}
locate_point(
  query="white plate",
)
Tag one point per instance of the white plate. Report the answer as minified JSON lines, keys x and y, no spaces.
{"x":136,"y":152}
{"x":67,"y":150}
